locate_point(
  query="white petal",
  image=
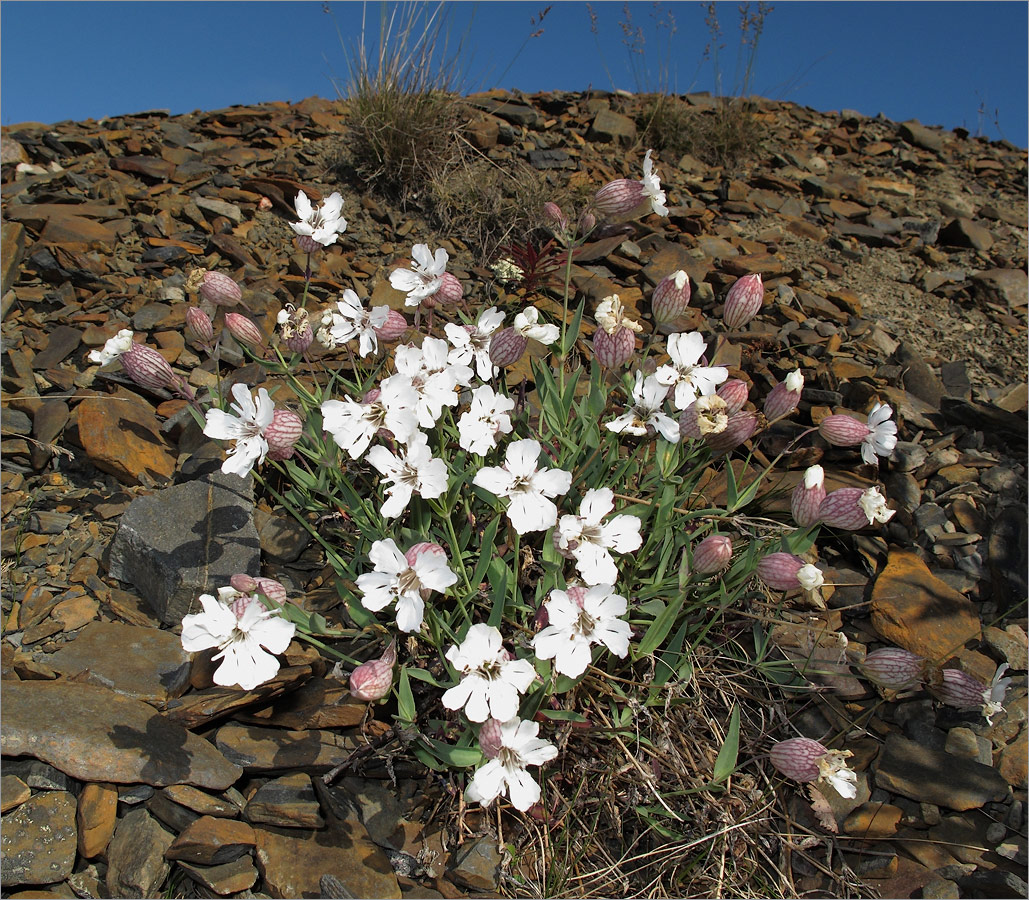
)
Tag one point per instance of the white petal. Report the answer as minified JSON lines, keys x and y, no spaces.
{"x":596,"y":503}
{"x":410,"y":612}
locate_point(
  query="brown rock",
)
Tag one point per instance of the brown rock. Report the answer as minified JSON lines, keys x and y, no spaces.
{"x":13,"y":792}
{"x":228,"y":878}
{"x":873,"y":820}
{"x":211,"y":841}
{"x":12,"y":249}
{"x":96,"y":817}
{"x":38,"y":840}
{"x":1013,"y":760}
{"x":123,"y":438}
{"x":914,"y":609}
{"x":136,"y":866}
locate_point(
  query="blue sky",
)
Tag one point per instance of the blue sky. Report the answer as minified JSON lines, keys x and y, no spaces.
{"x":956,"y":64}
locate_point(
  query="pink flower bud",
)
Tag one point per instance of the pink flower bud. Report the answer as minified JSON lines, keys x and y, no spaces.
{"x":893,"y":668}
{"x":244,"y":330}
{"x":671,"y":297}
{"x":219,"y":289}
{"x":779,"y":571}
{"x":577,"y":594}
{"x":808,"y":496}
{"x":734,"y":392}
{"x":393,"y":328}
{"x":241,"y":603}
{"x":282,"y":433}
{"x":199,"y":326}
{"x":307,"y":243}
{"x":490,"y":740}
{"x":843,"y":431}
{"x":450,"y":289}
{"x":614,"y":350}
{"x":147,"y":367}
{"x":552,"y":213}
{"x":374,"y":679}
{"x":781,"y":401}
{"x":743,"y":301}
{"x":619,"y":198}
{"x":419,"y":549}
{"x":712,"y":555}
{"x":248,"y":584}
{"x":842,"y":509}
{"x":797,"y":758}
{"x":506,"y":347}
{"x":739,"y":429}
{"x":960,"y":690}
{"x":243,"y":583}
{"x":587,"y":222}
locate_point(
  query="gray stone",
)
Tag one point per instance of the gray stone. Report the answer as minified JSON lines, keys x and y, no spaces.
{"x":916,"y":134}
{"x":476,"y":864}
{"x":288,"y":801}
{"x":228,"y":878}
{"x":962,"y":232}
{"x":220,"y":208}
{"x":39,"y":839}
{"x":39,"y":775}
{"x":187,"y":540}
{"x":136,"y":866}
{"x":997,"y":883}
{"x":282,"y":538}
{"x":610,"y":126}
{"x":922,"y":773}
{"x":918,"y":378}
{"x":1009,"y":286}
{"x":940,"y":889}
{"x":379,"y":810}
{"x":270,"y":749}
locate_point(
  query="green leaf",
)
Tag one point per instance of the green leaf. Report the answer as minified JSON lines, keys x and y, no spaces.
{"x":564,"y":715}
{"x":457,"y":757}
{"x":658,"y":631}
{"x":730,"y":486}
{"x":406,"y":710}
{"x":572,"y":334}
{"x":423,"y":675}
{"x":428,"y":759}
{"x":725,"y":764}
{"x":499,"y":577}
{"x":486,"y":550}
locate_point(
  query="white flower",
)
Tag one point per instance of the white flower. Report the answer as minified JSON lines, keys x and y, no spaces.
{"x":873,"y":504}
{"x":648,"y":397}
{"x":473,"y":342}
{"x":526,"y":323}
{"x":350,"y":320}
{"x":239,"y":626}
{"x":424,"y":277}
{"x":882,"y":436}
{"x":589,"y":540}
{"x":485,"y":419}
{"x":414,"y":471}
{"x":396,"y":579}
{"x":652,"y":187}
{"x":115,"y":347}
{"x":433,"y":377}
{"x":246,"y":428}
{"x":611,"y":316}
{"x":491,"y":680}
{"x":795,"y":381}
{"x":519,"y":747}
{"x":353,"y":425}
{"x":833,"y":769}
{"x":814,"y":477}
{"x":527,"y":487}
{"x":993,"y":696}
{"x":690,"y":380}
{"x":574,"y":629}
{"x":322,"y":224}
{"x":810,"y":577}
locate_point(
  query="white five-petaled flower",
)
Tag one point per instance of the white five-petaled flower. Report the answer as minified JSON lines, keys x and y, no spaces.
{"x":882,"y":436}
{"x":243,"y":629}
{"x":246,"y":428}
{"x":993,"y":696}
{"x":322,"y":224}
{"x":353,"y":425}
{"x":351,"y":320}
{"x":491,"y":680}
{"x":589,"y":540}
{"x":689,"y":379}
{"x":433,"y":376}
{"x":527,"y":487}
{"x":575,"y":627}
{"x":115,"y":347}
{"x":527,"y":324}
{"x":424,"y":277}
{"x":413,"y":471}
{"x":652,"y":187}
{"x":648,"y":398}
{"x":485,"y":419}
{"x":472,"y":342}
{"x":520,"y":746}
{"x":397,"y":579}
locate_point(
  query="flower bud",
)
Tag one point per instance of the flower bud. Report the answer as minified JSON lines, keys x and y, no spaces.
{"x":779,"y":571}
{"x":587,"y":222}
{"x":619,"y":198}
{"x":782,"y":400}
{"x":552,"y":213}
{"x":712,"y":554}
{"x":743,"y":301}
{"x":373,"y":680}
{"x":797,"y":758}
{"x":808,"y":496}
{"x":282,"y":433}
{"x":843,"y":431}
{"x":671,"y":297}
{"x":893,"y":668}
{"x":960,"y":690}
{"x":614,"y":350}
{"x":199,"y":326}
{"x":244,"y":330}
{"x":243,"y":583}
{"x":393,"y":328}
{"x":490,"y":740}
{"x":219,"y":289}
{"x":739,"y":428}
{"x":145,"y":366}
{"x":734,"y":393}
{"x":450,"y":289}
{"x":506,"y":347}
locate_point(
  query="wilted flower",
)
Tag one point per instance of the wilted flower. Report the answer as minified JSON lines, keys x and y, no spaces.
{"x":372,"y":680}
{"x":527,"y":487}
{"x":787,"y":572}
{"x":113,"y":348}
{"x":491,"y":680}
{"x":239,"y":626}
{"x":424,"y":278}
{"x":574,"y":628}
{"x":808,"y":496}
{"x":589,"y":540}
{"x":853,"y":508}
{"x":803,"y":759}
{"x":518,"y":746}
{"x":246,"y":428}
{"x":614,"y":340}
{"x":295,"y":328}
{"x":646,"y":412}
{"x":962,"y":691}
{"x":893,"y":668}
{"x":527,"y":324}
{"x":320,"y":226}
{"x":743,"y":301}
{"x":712,"y":554}
{"x":706,"y":415}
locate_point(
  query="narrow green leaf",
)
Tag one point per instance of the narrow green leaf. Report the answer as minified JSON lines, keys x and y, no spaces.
{"x":564,"y":715}
{"x":458,"y":757}
{"x":730,"y":486}
{"x":489,"y":536}
{"x":406,"y":710}
{"x":725,"y":764}
{"x":423,"y":675}
{"x":658,"y":631}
